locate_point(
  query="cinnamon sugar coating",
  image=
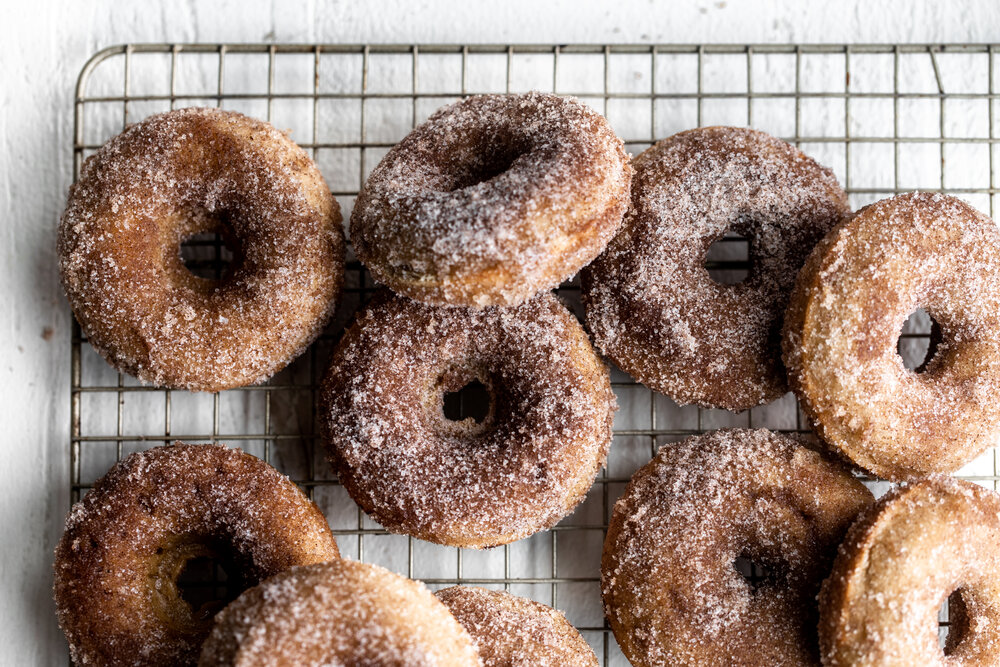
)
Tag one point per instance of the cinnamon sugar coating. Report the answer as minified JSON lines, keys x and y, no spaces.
{"x":651,"y":304}
{"x":511,"y":631}
{"x":338,"y":614}
{"x":898,"y":564}
{"x":843,"y":323}
{"x":520,"y":470}
{"x":129,"y":539}
{"x":182,"y":173}
{"x":671,"y":592}
{"x":492,"y":200}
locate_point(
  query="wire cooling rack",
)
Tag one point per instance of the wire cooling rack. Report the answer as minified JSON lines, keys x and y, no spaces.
{"x":886,"y":118}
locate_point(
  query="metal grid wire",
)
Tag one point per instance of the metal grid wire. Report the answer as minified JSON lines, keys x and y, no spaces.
{"x":886,"y":118}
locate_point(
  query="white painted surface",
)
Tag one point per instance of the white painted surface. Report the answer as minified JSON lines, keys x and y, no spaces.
{"x":43,"y":46}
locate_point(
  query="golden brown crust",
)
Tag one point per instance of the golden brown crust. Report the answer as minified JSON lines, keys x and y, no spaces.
{"x":127,"y":541}
{"x":338,"y":614}
{"x":671,"y":593}
{"x":511,"y":631}
{"x":843,"y":322}
{"x":492,"y":200}
{"x":523,"y":468}
{"x":899,"y":562}
{"x":651,"y":304}
{"x":186,"y":172}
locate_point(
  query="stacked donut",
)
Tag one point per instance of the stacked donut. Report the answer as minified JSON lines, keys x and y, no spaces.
{"x":469,"y":222}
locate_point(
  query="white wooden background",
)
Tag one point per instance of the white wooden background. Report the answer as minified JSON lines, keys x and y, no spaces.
{"x":43,"y":46}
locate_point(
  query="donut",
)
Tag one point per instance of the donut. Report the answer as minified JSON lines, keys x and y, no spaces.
{"x":130,"y":538}
{"x":166,"y":179}
{"x":844,"y":319}
{"x":650,"y":303}
{"x":492,"y":200}
{"x":523,"y":467}
{"x":672,"y":593}
{"x":899,"y":562}
{"x":338,"y":614}
{"x":511,"y":631}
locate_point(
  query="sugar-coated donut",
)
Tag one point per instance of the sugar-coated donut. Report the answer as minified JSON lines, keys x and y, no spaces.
{"x":849,"y":305}
{"x":900,"y":561}
{"x":511,"y":631}
{"x":671,"y":591}
{"x":338,"y":614}
{"x":129,"y":539}
{"x":492,"y":200}
{"x":183,"y":173}
{"x":524,"y":467}
{"x":651,"y":304}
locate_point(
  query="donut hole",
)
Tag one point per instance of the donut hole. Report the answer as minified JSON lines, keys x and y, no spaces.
{"x":487,"y":164}
{"x":466,"y":402}
{"x":208,"y":255}
{"x":728,"y":259}
{"x":918,"y":340}
{"x":207,"y":583}
{"x":470,"y":402}
{"x":753,"y":572}
{"x":951,"y":629}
